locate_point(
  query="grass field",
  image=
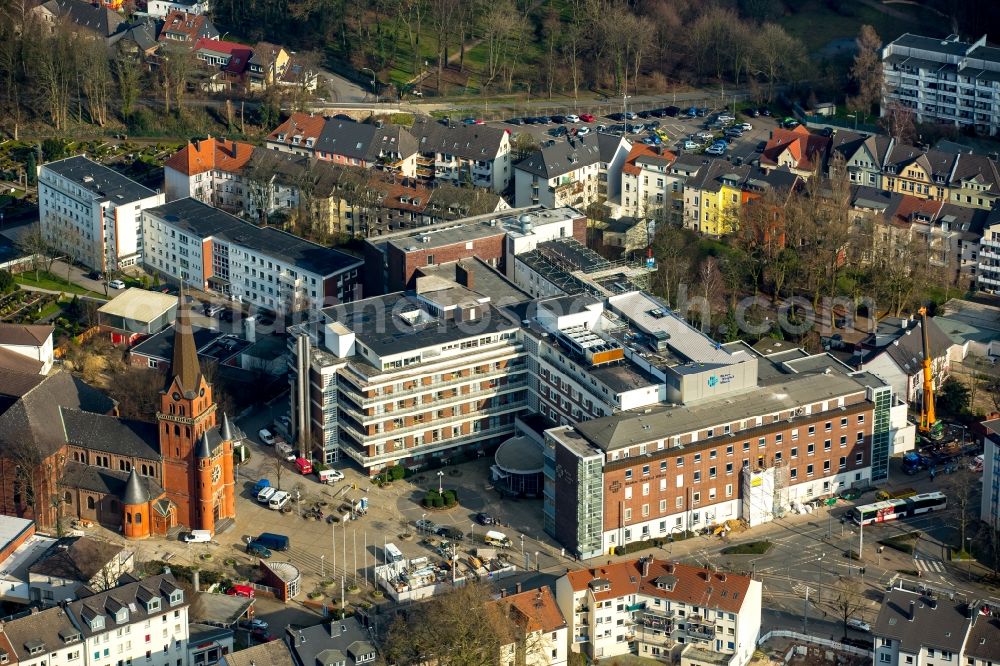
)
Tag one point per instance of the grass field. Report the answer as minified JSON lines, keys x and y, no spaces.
{"x":52,"y":282}
{"x":817,"y":25}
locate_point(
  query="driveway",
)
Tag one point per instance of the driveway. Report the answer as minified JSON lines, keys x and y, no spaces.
{"x":340,"y":90}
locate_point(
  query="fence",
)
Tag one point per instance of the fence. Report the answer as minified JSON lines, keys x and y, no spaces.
{"x":813,"y":121}
{"x":814,"y":640}
{"x":61,"y":350}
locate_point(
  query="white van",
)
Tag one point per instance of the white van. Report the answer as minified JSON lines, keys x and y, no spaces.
{"x":392,"y":553}
{"x":498,"y":539}
{"x":264,"y":496}
{"x":278,"y":500}
{"x":285,"y":450}
{"x":330,"y":475}
{"x":197,"y":536}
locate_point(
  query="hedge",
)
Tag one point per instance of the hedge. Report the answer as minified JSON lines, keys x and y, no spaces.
{"x":636,"y":546}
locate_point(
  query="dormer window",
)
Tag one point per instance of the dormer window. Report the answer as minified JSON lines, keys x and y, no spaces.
{"x":176,"y":597}
{"x":96,"y":623}
{"x":281,"y":137}
{"x":153,"y":605}
{"x":4,"y":657}
{"x":296,"y":140}
{"x":121,"y":617}
{"x":34,"y":647}
{"x":309,"y":142}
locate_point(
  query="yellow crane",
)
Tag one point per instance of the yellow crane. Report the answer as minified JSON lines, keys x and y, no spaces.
{"x":929,"y":424}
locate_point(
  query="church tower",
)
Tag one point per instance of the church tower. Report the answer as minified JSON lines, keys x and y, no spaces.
{"x":187,"y":413}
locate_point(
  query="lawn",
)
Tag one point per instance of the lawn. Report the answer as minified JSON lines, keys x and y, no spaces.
{"x":903,"y":542}
{"x":749,"y":548}
{"x":817,"y":25}
{"x":52,"y":282}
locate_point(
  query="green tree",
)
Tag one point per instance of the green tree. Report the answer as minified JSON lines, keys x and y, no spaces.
{"x":7,"y":283}
{"x":31,"y":167}
{"x":953,"y":398}
{"x":53,"y":149}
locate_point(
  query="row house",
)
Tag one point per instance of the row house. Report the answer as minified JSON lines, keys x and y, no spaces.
{"x":715,"y":194}
{"x":183,"y":27}
{"x":919,"y":626}
{"x":663,"y":611}
{"x":946,"y":81}
{"x":467,"y":155}
{"x":961,"y":178}
{"x":98,"y":20}
{"x":949,"y":234}
{"x":648,"y":187}
{"x":570,"y":171}
{"x":163,"y":8}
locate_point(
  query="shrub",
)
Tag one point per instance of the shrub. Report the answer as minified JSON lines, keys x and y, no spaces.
{"x":396,"y":473}
{"x":437,"y":501}
{"x":903,"y":542}
{"x":749,"y":548}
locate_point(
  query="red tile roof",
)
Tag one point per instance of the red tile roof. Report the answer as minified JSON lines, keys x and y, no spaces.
{"x":805,"y":149}
{"x":909,"y":206}
{"x":208,"y":154}
{"x":190,"y":25}
{"x":305,"y":125}
{"x":534,"y":610}
{"x":640,"y":149}
{"x":691,"y":585}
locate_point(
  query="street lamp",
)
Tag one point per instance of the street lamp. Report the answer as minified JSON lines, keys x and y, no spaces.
{"x":440,"y":479}
{"x":522,"y":546}
{"x":472,"y":533}
{"x":538,"y":564}
{"x":322,"y":566}
{"x":423,"y":524}
{"x":374,"y":90}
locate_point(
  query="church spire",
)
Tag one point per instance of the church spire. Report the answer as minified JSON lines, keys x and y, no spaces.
{"x":185,"y":367}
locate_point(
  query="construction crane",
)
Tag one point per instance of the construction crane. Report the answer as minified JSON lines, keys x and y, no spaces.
{"x":929,"y":425}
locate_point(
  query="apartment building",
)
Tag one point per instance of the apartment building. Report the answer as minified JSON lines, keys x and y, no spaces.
{"x":860,"y":155}
{"x":648,"y":187}
{"x":919,"y":626}
{"x":193,"y":243}
{"x":43,"y":637}
{"x":92,"y":214}
{"x":575,"y":171}
{"x":988,"y":268}
{"x":661,"y":610}
{"x":946,"y":81}
{"x":476,"y":155}
{"x":798,"y":150}
{"x":409,"y":376}
{"x":989,"y":511}
{"x":209,"y":170}
{"x":715,"y":193}
{"x":542,"y":634}
{"x":736,"y":435}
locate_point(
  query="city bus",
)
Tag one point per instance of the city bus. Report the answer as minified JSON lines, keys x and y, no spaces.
{"x":887,"y":510}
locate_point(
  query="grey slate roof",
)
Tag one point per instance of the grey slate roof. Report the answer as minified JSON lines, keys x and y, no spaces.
{"x":26,"y":335}
{"x":143,"y":33}
{"x":110,"y":434}
{"x":474,"y":142}
{"x":203,"y":449}
{"x":561,"y":157}
{"x":984,"y":639}
{"x":202,"y":220}
{"x":104,"y":22}
{"x":951,"y":45}
{"x":938,"y":163}
{"x":10,"y":360}
{"x":135,"y":493}
{"x":364,"y":141}
{"x":971,"y":166}
{"x":942,"y":628}
{"x":607,"y":145}
{"x":30,"y":406}
{"x":103,"y":481}
{"x":318,"y":645}
{"x":53,"y":629}
{"x":132,"y":596}
{"x":106,"y":184}
{"x":909,"y":353}
{"x":79,"y":559}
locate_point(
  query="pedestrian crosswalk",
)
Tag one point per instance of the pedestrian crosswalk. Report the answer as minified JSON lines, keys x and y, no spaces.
{"x":936,"y":566}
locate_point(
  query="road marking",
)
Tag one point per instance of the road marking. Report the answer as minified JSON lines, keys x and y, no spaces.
{"x":935,"y":566}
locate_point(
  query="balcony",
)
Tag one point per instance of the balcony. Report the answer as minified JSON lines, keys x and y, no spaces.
{"x":433,"y":423}
{"x":363,"y":459}
{"x":367,"y":419}
{"x":436,"y":386}
{"x":701,"y":633}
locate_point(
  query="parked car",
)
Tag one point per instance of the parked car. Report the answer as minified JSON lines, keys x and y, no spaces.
{"x":259,"y":550}
{"x":473,"y":121}
{"x":116,"y":284}
{"x":516,"y":121}
{"x":264,"y":494}
{"x":747,"y":126}
{"x":616,"y":116}
{"x":708,"y":136}
{"x":753,"y":113}
{"x":254,"y":624}
{"x":671,"y":111}
{"x":452,"y":533}
{"x":572,"y":118}
{"x":734,"y":132}
{"x":273,"y":541}
{"x":558,"y":131}
{"x":601,"y":128}
{"x":425,"y":525}
{"x":630,"y":115}
{"x":715,"y":150}
{"x":531,"y":120}
{"x":544,"y":120}
{"x":859,"y":624}
{"x":703,"y":111}
{"x":587,"y":118}
{"x":330,"y":475}
{"x":485,"y":519}
{"x":197,"y":536}
{"x":690,"y":145}
{"x":643,"y":114}
{"x":583,"y":131}
{"x":95,"y":275}
{"x":652,"y":124}
{"x":266,"y":437}
{"x":692,"y":112}
{"x":241,"y":591}
{"x":725,"y":118}
{"x":212,"y":309}
{"x":766,"y":112}
{"x":789,"y":123}
{"x":558,"y":119}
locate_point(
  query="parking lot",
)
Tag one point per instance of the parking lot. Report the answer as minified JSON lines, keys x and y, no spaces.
{"x":672,"y":130}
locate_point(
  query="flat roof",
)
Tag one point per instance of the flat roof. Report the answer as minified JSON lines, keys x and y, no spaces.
{"x":520,"y":455}
{"x":139,"y":305}
{"x":106,"y":184}
{"x":459,"y":232}
{"x":11,"y":528}
{"x":15,"y":567}
{"x":624,"y":376}
{"x":204,"y":221}
{"x":785,"y":392}
{"x":374,"y":322}
{"x":486,"y":280}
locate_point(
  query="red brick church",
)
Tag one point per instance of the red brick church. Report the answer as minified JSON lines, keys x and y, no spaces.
{"x":85,"y":462}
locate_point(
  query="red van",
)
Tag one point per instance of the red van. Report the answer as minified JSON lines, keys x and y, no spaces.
{"x":240,"y":591}
{"x":304,"y":466}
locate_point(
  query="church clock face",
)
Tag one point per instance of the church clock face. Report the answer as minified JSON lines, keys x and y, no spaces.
{"x":176,"y":396}
{"x":216,"y":474}
{"x":202,"y":393}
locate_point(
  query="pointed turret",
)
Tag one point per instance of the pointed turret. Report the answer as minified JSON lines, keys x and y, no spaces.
{"x":227,"y":429}
{"x":185,"y":368}
{"x":135,"y":492}
{"x":203,"y":450}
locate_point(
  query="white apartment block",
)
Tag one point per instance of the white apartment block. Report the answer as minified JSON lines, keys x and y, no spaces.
{"x":661,"y":610}
{"x":92,"y":214}
{"x":573,"y":172}
{"x":139,"y":622}
{"x":542,"y":634}
{"x":476,"y":155}
{"x":990,"y":503}
{"x":988,"y":269}
{"x":409,"y":376}
{"x":193,"y":243}
{"x":649,"y":187}
{"x":918,"y":626}
{"x":944,"y":80}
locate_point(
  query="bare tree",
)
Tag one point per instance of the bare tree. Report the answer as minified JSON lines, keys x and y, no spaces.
{"x":866,"y":72}
{"x":137,"y":392}
{"x":899,"y":122}
{"x":94,"y":71}
{"x":33,"y":243}
{"x":962,"y":489}
{"x":128,"y":73}
{"x":849,"y":599}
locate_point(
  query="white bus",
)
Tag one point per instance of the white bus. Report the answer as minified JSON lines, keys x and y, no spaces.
{"x":393,"y":554}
